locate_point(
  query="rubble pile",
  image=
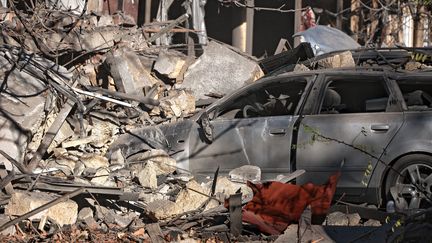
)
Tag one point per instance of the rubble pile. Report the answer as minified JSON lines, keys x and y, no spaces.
{"x":72,"y":84}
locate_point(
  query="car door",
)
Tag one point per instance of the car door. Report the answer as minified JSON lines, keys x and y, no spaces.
{"x":354,"y":120}
{"x":253,"y":127}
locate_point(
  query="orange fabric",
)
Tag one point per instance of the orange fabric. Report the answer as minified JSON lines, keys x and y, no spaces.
{"x":275,"y":205}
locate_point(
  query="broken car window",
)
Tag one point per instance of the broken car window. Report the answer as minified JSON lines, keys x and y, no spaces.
{"x":417,"y":94}
{"x":342,"y":96}
{"x":274,"y":99}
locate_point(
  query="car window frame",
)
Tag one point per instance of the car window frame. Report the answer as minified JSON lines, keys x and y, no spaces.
{"x":309,"y":78}
{"x":420,"y":78}
{"x":326,"y":79}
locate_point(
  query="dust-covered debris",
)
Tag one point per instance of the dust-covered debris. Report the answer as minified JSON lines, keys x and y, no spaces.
{"x":78,"y":81}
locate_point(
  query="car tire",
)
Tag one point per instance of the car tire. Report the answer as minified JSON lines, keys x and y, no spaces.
{"x":406,"y":170}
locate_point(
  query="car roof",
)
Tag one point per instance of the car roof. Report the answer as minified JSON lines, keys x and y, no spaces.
{"x":395,"y":74}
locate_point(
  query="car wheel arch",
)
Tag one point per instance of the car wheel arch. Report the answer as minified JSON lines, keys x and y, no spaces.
{"x":391,"y":164}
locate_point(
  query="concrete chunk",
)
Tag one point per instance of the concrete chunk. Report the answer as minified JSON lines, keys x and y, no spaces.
{"x":161,"y":160}
{"x":353,"y":219}
{"x":170,"y":63}
{"x":162,"y":209}
{"x":246,"y":173}
{"x":147,"y":176}
{"x":343,"y":59}
{"x":10,"y":230}
{"x":20,"y":117}
{"x":227,"y":187}
{"x":128,"y":73}
{"x":85,"y":213}
{"x":181,"y":103}
{"x":64,"y":213}
{"x":191,"y":197}
{"x":219,"y":70}
{"x":337,"y":219}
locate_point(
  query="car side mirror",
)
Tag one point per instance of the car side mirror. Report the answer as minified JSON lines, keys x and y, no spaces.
{"x":207,"y":128}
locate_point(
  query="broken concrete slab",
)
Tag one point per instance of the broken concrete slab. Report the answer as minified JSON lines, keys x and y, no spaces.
{"x":21,"y":111}
{"x":192,"y":197}
{"x":64,"y":213}
{"x":300,"y":68}
{"x":94,"y":161}
{"x":170,"y":63}
{"x":177,"y":104}
{"x":64,"y":133}
{"x":10,"y":230}
{"x":162,"y":209}
{"x":85,"y":213}
{"x":228,"y":187}
{"x":105,"y":214}
{"x":339,"y":60}
{"x":128,"y":73}
{"x":163,"y":163}
{"x":337,"y":219}
{"x":124,"y":220}
{"x":151,"y":197}
{"x":102,"y":178}
{"x":188,"y":199}
{"x":147,"y":176}
{"x":246,"y":173}
{"x":219,"y":70}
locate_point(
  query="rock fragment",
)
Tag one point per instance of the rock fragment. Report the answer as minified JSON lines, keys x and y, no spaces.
{"x":191,"y":197}
{"x":170,"y":63}
{"x":343,"y":59}
{"x":85,"y":213}
{"x":353,"y":219}
{"x":162,"y":209}
{"x":372,"y":222}
{"x":227,"y":187}
{"x":337,"y":219}
{"x":126,"y":69}
{"x":246,"y":173}
{"x":163,"y":163}
{"x":147,"y":176}
{"x":64,"y":213}
{"x":10,"y":230}
{"x":177,"y":104}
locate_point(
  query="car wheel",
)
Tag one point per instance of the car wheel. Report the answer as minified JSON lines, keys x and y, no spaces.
{"x":409,"y":182}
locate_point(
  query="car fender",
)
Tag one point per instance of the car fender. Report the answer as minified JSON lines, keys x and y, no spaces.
{"x":396,"y":150}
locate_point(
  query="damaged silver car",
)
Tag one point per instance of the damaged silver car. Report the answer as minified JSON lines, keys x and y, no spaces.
{"x":373,"y":125}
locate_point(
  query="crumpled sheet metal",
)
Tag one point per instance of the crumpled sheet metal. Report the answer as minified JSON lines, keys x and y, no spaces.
{"x":325,"y":39}
{"x":276,"y":205}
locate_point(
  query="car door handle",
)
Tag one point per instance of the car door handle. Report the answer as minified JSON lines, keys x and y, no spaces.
{"x":380,"y":127}
{"x":277,"y":131}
